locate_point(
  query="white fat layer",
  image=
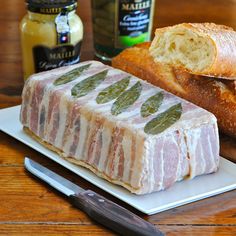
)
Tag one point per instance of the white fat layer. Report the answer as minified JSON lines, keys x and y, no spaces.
{"x":26,"y":102}
{"x":45,"y":103}
{"x":68,"y":140}
{"x":162,"y":163}
{"x":151,"y":178}
{"x":48,"y":124}
{"x":26,"y":105}
{"x":217,"y":145}
{"x":96,"y":147}
{"x":96,"y":138}
{"x":183,"y":171}
{"x":63,"y":111}
{"x":127,"y":147}
{"x":82,"y":138}
{"x":88,"y":139}
{"x":193,"y":137}
{"x":201,"y":156}
{"x":68,"y":143}
{"x":140,"y":163}
{"x":179,"y":155}
{"x":211,"y":153}
{"x":108,"y":164}
{"x":116,"y":162}
{"x":106,"y":141}
{"x":30,"y":109}
{"x":157,"y":184}
{"x":92,"y":158}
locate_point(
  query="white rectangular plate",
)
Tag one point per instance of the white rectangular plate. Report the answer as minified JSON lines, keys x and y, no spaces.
{"x":181,"y":193}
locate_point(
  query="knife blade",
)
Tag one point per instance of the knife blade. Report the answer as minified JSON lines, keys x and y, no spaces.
{"x":100,"y":209}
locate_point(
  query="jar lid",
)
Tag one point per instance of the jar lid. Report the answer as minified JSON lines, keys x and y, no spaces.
{"x":50,"y":6}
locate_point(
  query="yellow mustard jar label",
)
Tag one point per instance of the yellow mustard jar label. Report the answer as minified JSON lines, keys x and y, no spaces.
{"x":46,"y":58}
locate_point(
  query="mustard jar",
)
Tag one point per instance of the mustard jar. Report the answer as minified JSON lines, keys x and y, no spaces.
{"x":51,"y":35}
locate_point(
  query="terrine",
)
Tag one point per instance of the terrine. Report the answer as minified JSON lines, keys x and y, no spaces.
{"x":120,"y":127}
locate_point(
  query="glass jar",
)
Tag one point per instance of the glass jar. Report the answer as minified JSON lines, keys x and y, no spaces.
{"x":118,"y":24}
{"x":51,"y":35}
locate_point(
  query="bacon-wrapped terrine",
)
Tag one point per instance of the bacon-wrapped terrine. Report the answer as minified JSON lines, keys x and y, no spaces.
{"x":120,"y":127}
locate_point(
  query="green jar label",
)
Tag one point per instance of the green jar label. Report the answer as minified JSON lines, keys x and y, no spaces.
{"x":133,"y":22}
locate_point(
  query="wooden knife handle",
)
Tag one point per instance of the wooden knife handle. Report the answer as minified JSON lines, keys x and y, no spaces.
{"x":113,"y":216}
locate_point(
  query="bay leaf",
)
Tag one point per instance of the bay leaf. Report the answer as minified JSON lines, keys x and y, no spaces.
{"x":126,"y":99}
{"x":164,"y":120}
{"x":152,"y":104}
{"x":89,"y":84}
{"x":113,"y":91}
{"x":71,"y":75}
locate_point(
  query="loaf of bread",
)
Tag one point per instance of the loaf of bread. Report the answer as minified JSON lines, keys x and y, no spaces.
{"x":122,"y":128}
{"x":215,"y":95}
{"x":202,"y":49}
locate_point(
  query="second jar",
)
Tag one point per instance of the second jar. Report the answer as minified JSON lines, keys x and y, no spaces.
{"x":118,"y":24}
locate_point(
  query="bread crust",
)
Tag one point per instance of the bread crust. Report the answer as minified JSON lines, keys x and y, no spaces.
{"x":224,"y":41}
{"x":215,"y":95}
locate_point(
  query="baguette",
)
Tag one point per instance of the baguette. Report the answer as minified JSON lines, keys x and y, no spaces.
{"x":202,"y":49}
{"x":215,"y":95}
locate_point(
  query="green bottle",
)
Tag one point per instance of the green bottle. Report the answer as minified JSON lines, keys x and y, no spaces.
{"x":118,"y":24}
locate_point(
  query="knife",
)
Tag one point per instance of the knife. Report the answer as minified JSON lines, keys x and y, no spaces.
{"x":100,"y":209}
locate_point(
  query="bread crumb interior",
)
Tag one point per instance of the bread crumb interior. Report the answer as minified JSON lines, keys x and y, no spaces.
{"x":182,"y":47}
